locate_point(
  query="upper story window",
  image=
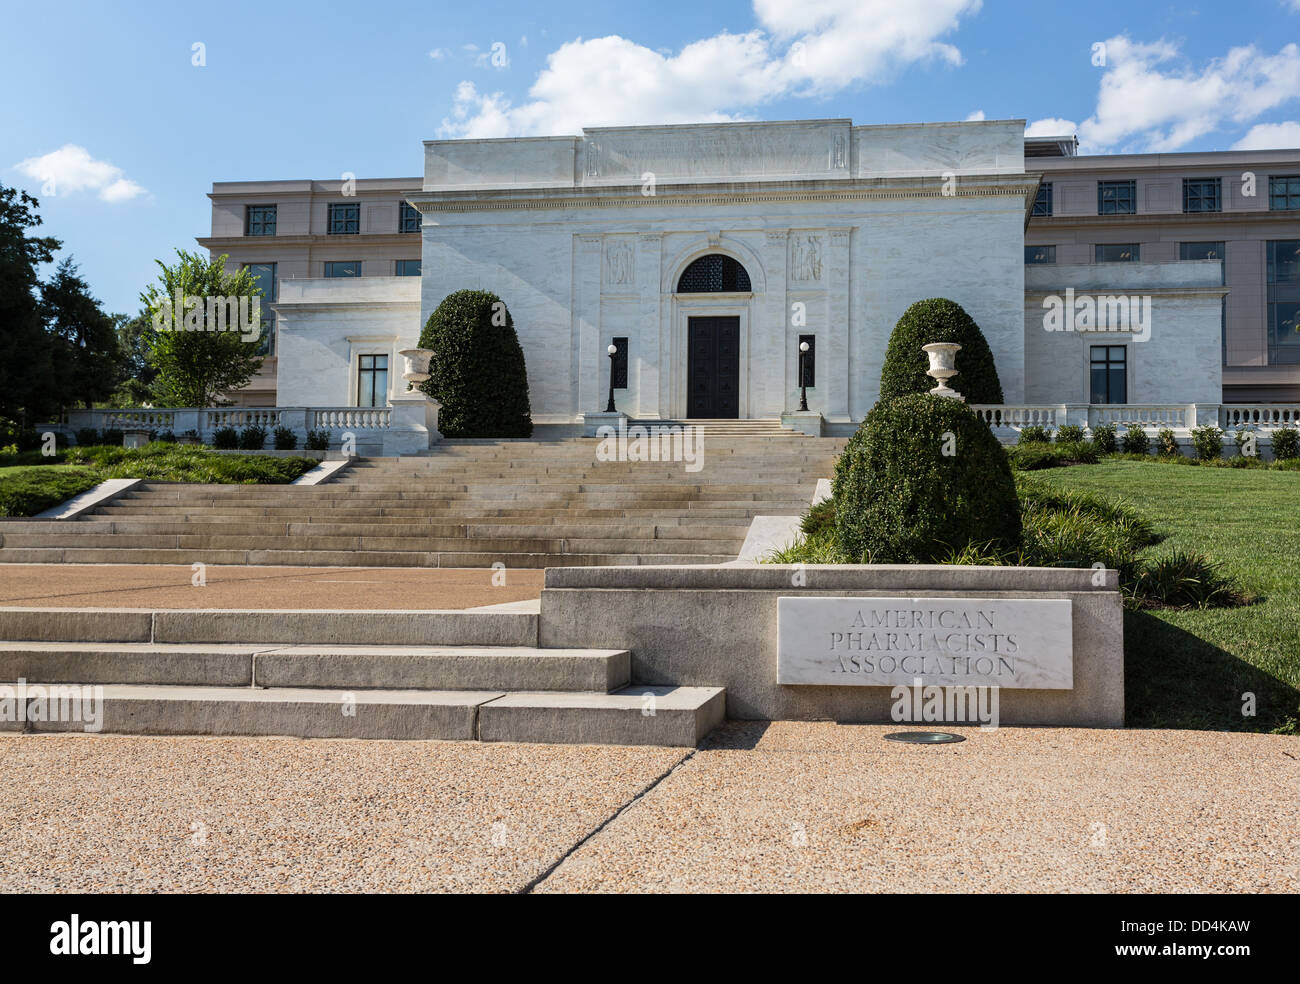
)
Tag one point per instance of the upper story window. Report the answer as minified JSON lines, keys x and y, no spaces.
{"x":712,"y":274}
{"x":1040,"y":254}
{"x":1200,"y":251}
{"x":1284,"y":261}
{"x":408,"y":268}
{"x":1116,"y":197}
{"x":1118,"y":253}
{"x":409,"y":218}
{"x":345,"y":219}
{"x":259,"y":220}
{"x":1043,"y":203}
{"x":264,"y":276}
{"x":1283,"y":301}
{"x":1202,"y":195}
{"x":1284,"y":193}
{"x":343,"y":268}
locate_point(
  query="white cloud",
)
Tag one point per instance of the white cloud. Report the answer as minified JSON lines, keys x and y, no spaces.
{"x":1146,"y":103}
{"x":976,"y":116}
{"x":1271,"y":136}
{"x":438,"y":54}
{"x":801,"y":48}
{"x":1051,"y":126}
{"x":71,"y":169}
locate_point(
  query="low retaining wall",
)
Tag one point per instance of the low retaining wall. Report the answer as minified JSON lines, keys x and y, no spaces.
{"x":717,"y":626}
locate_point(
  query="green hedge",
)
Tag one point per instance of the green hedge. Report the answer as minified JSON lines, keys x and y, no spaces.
{"x":477,"y":371}
{"x":923,"y":476}
{"x":939,"y":320}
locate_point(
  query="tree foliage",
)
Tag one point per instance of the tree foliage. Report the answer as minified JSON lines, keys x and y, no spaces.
{"x":27,"y":390}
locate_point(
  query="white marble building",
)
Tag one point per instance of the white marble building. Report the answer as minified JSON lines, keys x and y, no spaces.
{"x":818,"y":228}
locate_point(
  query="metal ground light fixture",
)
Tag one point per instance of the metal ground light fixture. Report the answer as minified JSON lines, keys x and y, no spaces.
{"x":803,"y":378}
{"x":613,"y":351}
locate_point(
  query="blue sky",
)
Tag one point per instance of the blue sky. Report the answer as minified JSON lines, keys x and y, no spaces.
{"x":104,"y":100}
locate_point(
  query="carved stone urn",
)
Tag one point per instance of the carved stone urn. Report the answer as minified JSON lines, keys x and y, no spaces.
{"x":416,"y":369}
{"x":943,"y":366}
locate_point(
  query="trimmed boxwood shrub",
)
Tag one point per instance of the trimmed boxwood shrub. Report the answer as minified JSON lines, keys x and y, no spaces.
{"x":1208,"y":442}
{"x":1167,"y":443}
{"x":285,"y":439}
{"x":1103,"y":439}
{"x":923,"y":476}
{"x":318,"y":440}
{"x":224,"y":438}
{"x":939,"y":320}
{"x":252,"y":438}
{"x":1136,"y":440}
{"x":1286,"y":443}
{"x":1069,"y":434}
{"x":477,"y":371}
{"x":1034,"y":434}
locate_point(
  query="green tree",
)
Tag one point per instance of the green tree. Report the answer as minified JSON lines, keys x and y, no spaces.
{"x":939,"y":320}
{"x":196,"y":368}
{"x":27,"y":388}
{"x":477,"y":371}
{"x":85,"y":338}
{"x":135,"y":340}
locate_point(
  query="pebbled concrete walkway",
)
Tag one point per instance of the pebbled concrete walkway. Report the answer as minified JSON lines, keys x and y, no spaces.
{"x":169,"y":586}
{"x":780,"y":807}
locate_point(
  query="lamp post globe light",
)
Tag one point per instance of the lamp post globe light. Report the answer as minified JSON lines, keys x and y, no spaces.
{"x":613,"y":351}
{"x":803,"y":379}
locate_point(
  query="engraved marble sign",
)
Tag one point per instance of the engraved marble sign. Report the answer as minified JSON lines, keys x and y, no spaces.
{"x":884,"y":642}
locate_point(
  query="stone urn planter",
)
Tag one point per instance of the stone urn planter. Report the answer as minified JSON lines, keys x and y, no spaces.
{"x":943,"y":366}
{"x":416,"y":369}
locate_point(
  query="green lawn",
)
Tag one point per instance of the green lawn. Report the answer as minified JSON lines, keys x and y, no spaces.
{"x":1190,"y":669}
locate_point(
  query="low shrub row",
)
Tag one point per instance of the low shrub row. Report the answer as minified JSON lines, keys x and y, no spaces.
{"x":28,"y":491}
{"x":1036,"y":447}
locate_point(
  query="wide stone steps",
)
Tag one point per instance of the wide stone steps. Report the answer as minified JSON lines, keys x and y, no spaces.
{"x":346,"y":675}
{"x":347,"y":558}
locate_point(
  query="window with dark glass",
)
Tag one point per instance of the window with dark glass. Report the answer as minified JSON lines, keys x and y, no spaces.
{"x":713,"y":274}
{"x":1118,"y":253}
{"x":619,"y":365}
{"x":259,"y":220}
{"x":343,"y":268}
{"x":408,"y":268}
{"x":1284,"y":192}
{"x":1040,"y":254}
{"x":1202,"y":195}
{"x":1200,"y":251}
{"x":1116,"y":197}
{"x":1284,"y":301}
{"x":1043,"y":203}
{"x":409,"y":219}
{"x":372,"y":381}
{"x":1109,"y":374}
{"x":264,"y":276}
{"x":344,"y":219}
{"x":809,"y":360}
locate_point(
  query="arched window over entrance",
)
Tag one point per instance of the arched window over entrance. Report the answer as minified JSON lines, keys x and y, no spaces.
{"x":713,"y":274}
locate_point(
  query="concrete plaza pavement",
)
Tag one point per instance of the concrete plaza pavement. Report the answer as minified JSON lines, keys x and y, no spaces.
{"x":759,"y":807}
{"x":240,"y":587}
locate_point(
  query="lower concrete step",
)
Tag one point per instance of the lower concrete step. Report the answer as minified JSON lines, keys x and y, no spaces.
{"x":674,"y":716}
{"x":369,"y":667}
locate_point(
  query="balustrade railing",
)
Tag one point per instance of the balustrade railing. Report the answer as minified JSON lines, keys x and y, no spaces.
{"x":350,"y":418}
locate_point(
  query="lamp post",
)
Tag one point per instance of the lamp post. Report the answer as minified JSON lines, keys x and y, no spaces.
{"x":613,"y":351}
{"x":803,"y":379}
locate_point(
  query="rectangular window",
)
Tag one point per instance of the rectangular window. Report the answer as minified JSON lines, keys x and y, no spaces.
{"x":1284,"y":193}
{"x":345,"y":219}
{"x":1284,"y":302}
{"x":408,"y":268}
{"x":1202,"y":195}
{"x":408,"y":219}
{"x":259,"y":220}
{"x":264,"y":277}
{"x":1116,"y":197}
{"x":1109,"y":374}
{"x":619,"y":364}
{"x":1200,"y":251}
{"x":372,"y":381}
{"x":1043,"y":203}
{"x":809,"y":360}
{"x":343,"y":268}
{"x":1040,"y":254}
{"x":1118,"y":253}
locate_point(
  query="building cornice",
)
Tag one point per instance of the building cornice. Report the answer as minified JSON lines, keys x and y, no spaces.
{"x":1042,"y":292}
{"x":315,"y":239}
{"x":1154,"y":218}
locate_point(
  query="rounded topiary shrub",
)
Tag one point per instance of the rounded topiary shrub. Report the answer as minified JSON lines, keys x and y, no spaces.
{"x":939,"y":320}
{"x":477,"y":370}
{"x":922,"y":478}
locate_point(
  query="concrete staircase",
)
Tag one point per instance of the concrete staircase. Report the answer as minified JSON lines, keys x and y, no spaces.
{"x":525,"y":504}
{"x":466,"y":675}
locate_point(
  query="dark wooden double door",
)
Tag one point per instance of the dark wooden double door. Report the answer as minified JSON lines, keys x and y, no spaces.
{"x":713,"y":367}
